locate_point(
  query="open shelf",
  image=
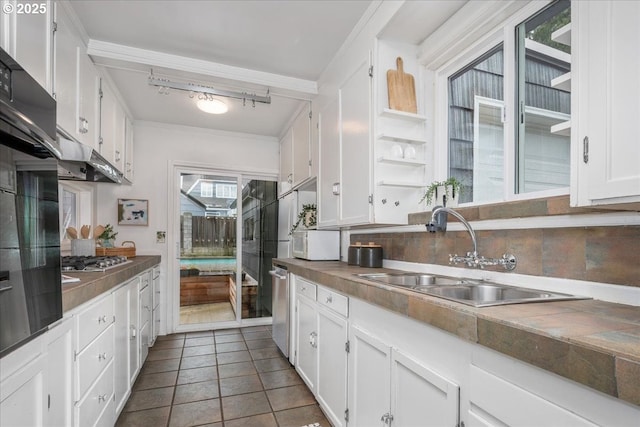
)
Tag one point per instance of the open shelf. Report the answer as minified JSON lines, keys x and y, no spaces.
{"x":388,"y":183}
{"x":395,"y":138}
{"x":563,"y":128}
{"x":387,"y":112}
{"x":562,"y":82}
{"x":562,"y":35}
{"x":398,"y":161}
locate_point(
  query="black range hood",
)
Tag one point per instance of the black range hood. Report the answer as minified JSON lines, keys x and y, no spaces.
{"x":80,"y":162}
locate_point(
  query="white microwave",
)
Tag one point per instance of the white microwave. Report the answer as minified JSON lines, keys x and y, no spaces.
{"x":316,"y":245}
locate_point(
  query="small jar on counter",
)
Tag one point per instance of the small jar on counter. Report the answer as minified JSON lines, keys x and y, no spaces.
{"x":371,"y":255}
{"x":353,"y":257}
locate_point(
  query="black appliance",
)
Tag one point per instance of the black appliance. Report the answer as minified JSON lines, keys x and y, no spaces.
{"x":30,"y":276}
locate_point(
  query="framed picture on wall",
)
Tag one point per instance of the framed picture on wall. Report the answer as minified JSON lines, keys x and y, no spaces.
{"x":133,"y":212}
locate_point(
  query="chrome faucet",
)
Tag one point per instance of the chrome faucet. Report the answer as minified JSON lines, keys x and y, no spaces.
{"x":472,"y":259}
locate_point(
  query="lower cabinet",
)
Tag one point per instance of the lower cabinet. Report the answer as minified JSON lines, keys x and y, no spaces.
{"x":36,"y":380}
{"x":80,"y":372}
{"x":306,"y":319}
{"x":321,"y":346}
{"x":388,"y":387}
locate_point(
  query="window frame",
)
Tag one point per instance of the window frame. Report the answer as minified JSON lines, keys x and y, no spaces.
{"x":505,"y":34}
{"x":84,"y":208}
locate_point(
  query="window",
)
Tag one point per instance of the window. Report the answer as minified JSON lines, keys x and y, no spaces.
{"x":75,"y":205}
{"x":206,"y":189}
{"x":493,"y":158}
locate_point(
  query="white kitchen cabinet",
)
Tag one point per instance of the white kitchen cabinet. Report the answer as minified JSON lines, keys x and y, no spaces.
{"x":155,"y":298}
{"x":497,"y":402}
{"x":94,"y":386}
{"x":120,"y":137}
{"x":128,"y":150}
{"x":286,"y":162}
{"x":329,"y":167}
{"x":369,"y":378}
{"x":36,"y":387}
{"x":331,"y":390}
{"x":306,"y":320}
{"x":23,"y":393}
{"x":31,"y":35}
{"x":66,"y":70}
{"x":60,"y":355}
{"x":605,"y":93}
{"x":389,"y":387}
{"x":86,"y":130}
{"x":145,"y":314}
{"x":355,"y":148}
{"x":122,"y":342}
{"x":295,"y":151}
{"x":108,"y":122}
{"x":301,"y":131}
{"x":75,"y":81}
{"x":321,"y":346}
{"x":134,"y":329}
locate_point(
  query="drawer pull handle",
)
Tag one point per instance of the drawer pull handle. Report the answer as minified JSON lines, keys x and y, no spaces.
{"x":102,"y":398}
{"x":102,"y":356}
{"x":329,"y":299}
{"x":102,"y":319}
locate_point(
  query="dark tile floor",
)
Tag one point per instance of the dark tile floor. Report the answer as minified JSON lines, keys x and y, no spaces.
{"x":225,"y":378}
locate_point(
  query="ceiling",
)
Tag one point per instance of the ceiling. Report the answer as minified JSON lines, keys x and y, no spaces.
{"x":243,"y":46}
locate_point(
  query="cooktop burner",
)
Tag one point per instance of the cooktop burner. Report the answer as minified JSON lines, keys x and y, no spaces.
{"x":92,"y":263}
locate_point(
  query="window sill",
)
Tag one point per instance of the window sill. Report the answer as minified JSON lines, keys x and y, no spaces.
{"x":558,"y":205}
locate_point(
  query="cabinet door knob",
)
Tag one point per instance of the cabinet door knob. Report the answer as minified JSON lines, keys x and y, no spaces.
{"x":102,"y":319}
{"x":312,"y":339}
{"x":102,"y":398}
{"x":102,"y":356}
{"x":329,"y":299}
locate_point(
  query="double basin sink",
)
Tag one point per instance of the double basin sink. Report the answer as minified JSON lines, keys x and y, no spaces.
{"x":476,"y":293}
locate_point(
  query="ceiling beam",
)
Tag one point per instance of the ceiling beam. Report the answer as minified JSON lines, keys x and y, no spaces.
{"x":150,"y":58}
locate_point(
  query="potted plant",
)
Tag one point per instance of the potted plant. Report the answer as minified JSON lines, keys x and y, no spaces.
{"x":108,"y":237}
{"x":306,"y":216}
{"x":444,"y":193}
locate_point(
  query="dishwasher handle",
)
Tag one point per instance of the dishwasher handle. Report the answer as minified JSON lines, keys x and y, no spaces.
{"x":275,"y":273}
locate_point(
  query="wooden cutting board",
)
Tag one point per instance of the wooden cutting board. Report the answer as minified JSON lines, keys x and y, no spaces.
{"x":402,"y":89}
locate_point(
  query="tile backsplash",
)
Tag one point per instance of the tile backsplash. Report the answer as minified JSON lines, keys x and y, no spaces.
{"x":598,"y":254}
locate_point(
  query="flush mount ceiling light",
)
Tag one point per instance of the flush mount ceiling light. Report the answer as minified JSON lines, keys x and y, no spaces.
{"x":212,"y":106}
{"x":206,"y":94}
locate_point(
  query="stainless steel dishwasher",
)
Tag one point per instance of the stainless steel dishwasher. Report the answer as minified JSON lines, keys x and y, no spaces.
{"x":280,"y":308}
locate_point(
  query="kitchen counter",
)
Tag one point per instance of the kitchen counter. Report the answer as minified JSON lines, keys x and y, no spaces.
{"x":592,"y":342}
{"x":92,"y":284}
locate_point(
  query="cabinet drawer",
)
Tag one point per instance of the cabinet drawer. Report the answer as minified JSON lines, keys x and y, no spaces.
{"x":334,"y":301}
{"x":305,"y":288}
{"x":97,"y":400}
{"x":94,"y":320}
{"x":93,"y":360}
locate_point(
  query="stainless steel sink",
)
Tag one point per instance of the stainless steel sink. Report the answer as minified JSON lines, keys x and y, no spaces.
{"x":476,"y":293}
{"x":410,"y":280}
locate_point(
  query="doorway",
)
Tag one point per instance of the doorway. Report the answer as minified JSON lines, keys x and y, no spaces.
{"x":227,"y":239}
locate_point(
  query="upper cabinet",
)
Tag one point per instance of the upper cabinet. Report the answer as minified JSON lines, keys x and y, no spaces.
{"x":26,"y":34}
{"x":372,"y":158}
{"x":76,"y":82}
{"x":605,"y":93}
{"x":295,"y":151}
{"x":112,"y":127}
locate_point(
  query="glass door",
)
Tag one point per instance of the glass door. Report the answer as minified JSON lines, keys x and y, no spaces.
{"x":227,"y":239}
{"x":208,"y":248}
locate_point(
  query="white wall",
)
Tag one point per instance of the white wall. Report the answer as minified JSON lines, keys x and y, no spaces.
{"x":156,"y":148}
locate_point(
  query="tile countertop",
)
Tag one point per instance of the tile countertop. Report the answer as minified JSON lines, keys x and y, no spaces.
{"x":592,"y":342}
{"x":92,"y":285}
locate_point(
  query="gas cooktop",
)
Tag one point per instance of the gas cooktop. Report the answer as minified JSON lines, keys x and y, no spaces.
{"x":92,"y":263}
